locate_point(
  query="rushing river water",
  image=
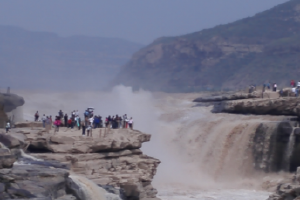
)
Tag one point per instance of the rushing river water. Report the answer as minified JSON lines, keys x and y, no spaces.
{"x":172,"y":194}
{"x":196,"y":147}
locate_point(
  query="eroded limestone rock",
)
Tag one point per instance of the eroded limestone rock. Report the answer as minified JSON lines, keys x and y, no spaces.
{"x":279,"y":106}
{"x":109,"y":158}
{"x":227,"y":97}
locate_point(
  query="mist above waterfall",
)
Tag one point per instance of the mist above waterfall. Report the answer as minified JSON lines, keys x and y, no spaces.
{"x":198,"y":149}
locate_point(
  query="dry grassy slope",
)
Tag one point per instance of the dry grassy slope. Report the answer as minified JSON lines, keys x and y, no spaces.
{"x":249,"y":51}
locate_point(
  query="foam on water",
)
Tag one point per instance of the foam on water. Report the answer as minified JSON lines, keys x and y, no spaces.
{"x":213,"y":195}
{"x":24,"y":155}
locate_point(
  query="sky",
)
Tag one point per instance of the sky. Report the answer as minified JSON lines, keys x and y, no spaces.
{"x":134,"y":20}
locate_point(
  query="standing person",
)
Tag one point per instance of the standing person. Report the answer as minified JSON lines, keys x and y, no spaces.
{"x":124,"y":120}
{"x":60,"y":114}
{"x":48,"y":124}
{"x":292,"y":83}
{"x":120,"y":121}
{"x":275,"y":87}
{"x":130,"y":122}
{"x":298,"y":85}
{"x":57,"y":124}
{"x":106,"y":122}
{"x":89,"y":130}
{"x":109,"y":121}
{"x":50,"y":118}
{"x":7,"y":127}
{"x":79,"y":123}
{"x":66,"y":120}
{"x":44,"y":120}
{"x":36,"y":116}
{"x":83,"y":127}
{"x":70,"y":123}
{"x":268,"y":85}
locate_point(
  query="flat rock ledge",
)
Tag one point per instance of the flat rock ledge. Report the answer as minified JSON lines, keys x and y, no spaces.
{"x":227,"y":97}
{"x":280,"y":106}
{"x":111,"y":158}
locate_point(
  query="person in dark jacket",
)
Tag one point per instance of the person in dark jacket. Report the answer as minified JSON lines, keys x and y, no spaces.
{"x":66,"y":120}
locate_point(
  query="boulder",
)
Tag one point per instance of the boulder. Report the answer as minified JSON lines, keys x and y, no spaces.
{"x":11,"y":142}
{"x":33,"y":181}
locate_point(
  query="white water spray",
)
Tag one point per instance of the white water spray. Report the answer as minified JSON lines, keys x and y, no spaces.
{"x":24,"y":155}
{"x":2,"y":146}
{"x":90,"y":191}
{"x":289,"y":151}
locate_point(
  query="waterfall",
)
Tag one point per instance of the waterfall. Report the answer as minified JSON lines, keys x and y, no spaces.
{"x":288,"y":152}
{"x":24,"y":155}
{"x":88,"y":190}
{"x":2,"y":146}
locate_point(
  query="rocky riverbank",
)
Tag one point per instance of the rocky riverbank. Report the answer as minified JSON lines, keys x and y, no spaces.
{"x":112,"y":159}
{"x":273,"y":106}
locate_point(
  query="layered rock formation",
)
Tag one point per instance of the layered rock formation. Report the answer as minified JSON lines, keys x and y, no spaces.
{"x":111,"y":158}
{"x":227,"y":97}
{"x":280,"y":106}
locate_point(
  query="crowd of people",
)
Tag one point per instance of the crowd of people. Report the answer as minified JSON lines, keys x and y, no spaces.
{"x":89,"y":122}
{"x":267,"y":85}
{"x":295,"y":87}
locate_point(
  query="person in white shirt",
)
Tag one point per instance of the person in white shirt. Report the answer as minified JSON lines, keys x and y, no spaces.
{"x":89,"y":130}
{"x":7,"y":127}
{"x":44,"y":120}
{"x":130,"y":122}
{"x":275,"y":87}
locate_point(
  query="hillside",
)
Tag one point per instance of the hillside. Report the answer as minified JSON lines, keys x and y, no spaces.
{"x":41,"y":60}
{"x":232,"y":56}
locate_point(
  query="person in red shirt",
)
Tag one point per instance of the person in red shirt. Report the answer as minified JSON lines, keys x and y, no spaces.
{"x":70,"y":123}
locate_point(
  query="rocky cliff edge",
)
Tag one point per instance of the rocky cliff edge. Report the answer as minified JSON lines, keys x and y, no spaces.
{"x":111,"y":158}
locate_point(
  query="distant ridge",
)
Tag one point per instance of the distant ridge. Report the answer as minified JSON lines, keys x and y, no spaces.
{"x":42,"y":60}
{"x":232,"y":56}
